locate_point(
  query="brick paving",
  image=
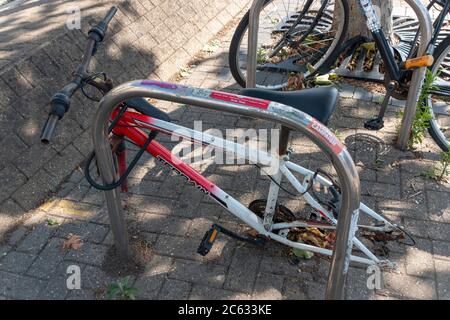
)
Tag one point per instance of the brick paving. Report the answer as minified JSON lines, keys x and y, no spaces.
{"x":38,"y":53}
{"x":173,"y":217}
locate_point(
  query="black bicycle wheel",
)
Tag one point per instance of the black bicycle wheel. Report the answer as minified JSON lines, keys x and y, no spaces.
{"x":439,"y":98}
{"x":295,"y":36}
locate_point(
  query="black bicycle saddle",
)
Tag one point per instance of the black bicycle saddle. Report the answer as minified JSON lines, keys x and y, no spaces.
{"x":319,"y":103}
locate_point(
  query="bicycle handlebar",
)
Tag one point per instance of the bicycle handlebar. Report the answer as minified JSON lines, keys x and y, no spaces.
{"x":101,"y":28}
{"x":60,"y":101}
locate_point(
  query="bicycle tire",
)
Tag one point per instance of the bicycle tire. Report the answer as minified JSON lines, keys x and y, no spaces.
{"x":434,"y":128}
{"x":324,"y":63}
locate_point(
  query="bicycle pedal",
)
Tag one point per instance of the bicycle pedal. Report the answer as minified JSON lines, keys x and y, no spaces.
{"x":208,"y":240}
{"x":374,"y":124}
{"x":211,"y":236}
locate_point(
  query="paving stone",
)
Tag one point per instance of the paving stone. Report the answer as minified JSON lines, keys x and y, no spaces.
{"x":95,"y":278}
{"x":175,"y":290}
{"x":409,"y":287}
{"x":77,"y":193}
{"x":89,"y":253}
{"x":150,"y":283}
{"x":85,"y":294}
{"x":150,"y":204}
{"x":163,"y":224}
{"x":19,"y":287}
{"x":380,"y":190}
{"x":56,"y":287}
{"x":7,"y":95}
{"x":35,"y":190}
{"x":9,"y":214}
{"x":315,"y":290}
{"x":400,"y":208}
{"x":361,"y":94}
{"x":206,"y":274}
{"x":433,"y":230}
{"x":15,"y":147}
{"x":11,"y":180}
{"x":242,"y":272}
{"x":268,"y":287}
{"x":16,"y":81}
{"x":94,"y":196}
{"x":64,"y":163}
{"x":441,"y":250}
{"x":186,"y":248}
{"x":278,"y":265}
{"x":148,"y":188}
{"x":346,"y":91}
{"x":201,"y":292}
{"x":17,"y":235}
{"x":16,"y":262}
{"x":4,"y":249}
{"x":357,"y":285}
{"x":76,"y":210}
{"x":10,"y":119}
{"x":65,"y":189}
{"x":294,"y":289}
{"x":443,"y":279}
{"x":47,"y":261}
{"x":36,"y":239}
{"x":419,"y":259}
{"x":90,"y":232}
{"x":439,"y":209}
{"x":172,"y":187}
{"x":35,"y":218}
{"x":188,"y":203}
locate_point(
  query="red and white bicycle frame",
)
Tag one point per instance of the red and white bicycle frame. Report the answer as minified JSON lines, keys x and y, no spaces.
{"x":133,"y":126}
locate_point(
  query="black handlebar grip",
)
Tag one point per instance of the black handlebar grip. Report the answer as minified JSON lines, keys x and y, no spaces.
{"x":111,"y":13}
{"x":98,"y":32}
{"x":60,"y":104}
{"x":49,"y":128}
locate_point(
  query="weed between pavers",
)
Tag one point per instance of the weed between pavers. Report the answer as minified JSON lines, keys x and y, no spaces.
{"x":421,"y":121}
{"x":441,"y":171}
{"x":121,"y":289}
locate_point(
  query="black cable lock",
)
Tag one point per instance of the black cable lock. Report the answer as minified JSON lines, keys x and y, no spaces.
{"x":152,"y":135}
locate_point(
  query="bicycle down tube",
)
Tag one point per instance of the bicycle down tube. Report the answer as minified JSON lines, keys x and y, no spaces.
{"x":262,"y":109}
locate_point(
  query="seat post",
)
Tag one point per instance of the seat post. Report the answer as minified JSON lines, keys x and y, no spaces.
{"x":284,"y":139}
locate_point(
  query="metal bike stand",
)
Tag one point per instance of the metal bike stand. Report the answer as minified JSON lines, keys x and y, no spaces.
{"x":418,"y":77}
{"x":425,"y":27}
{"x":253,"y":26}
{"x":107,"y":170}
{"x":283,"y":115}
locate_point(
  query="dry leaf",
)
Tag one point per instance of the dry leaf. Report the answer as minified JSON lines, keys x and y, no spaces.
{"x":73,"y":242}
{"x":252,"y":233}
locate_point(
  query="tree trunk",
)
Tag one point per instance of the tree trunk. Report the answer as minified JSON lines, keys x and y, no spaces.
{"x":357,"y":25}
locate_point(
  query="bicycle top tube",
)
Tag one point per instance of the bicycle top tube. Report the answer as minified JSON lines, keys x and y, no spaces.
{"x":261,"y":109}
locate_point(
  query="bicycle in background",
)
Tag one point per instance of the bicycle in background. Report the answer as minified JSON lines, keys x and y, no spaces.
{"x":305,"y":37}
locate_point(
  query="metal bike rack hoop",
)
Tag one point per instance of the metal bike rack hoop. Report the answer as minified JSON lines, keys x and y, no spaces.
{"x":253,"y":26}
{"x":426,"y":29}
{"x":285,"y":115}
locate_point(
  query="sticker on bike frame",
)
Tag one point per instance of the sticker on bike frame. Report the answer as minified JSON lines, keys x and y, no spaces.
{"x":245,"y":101}
{"x":163,"y":85}
{"x":325,"y":134}
{"x":372,"y":21}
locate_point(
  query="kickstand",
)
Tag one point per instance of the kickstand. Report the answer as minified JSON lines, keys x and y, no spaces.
{"x":377,"y":123}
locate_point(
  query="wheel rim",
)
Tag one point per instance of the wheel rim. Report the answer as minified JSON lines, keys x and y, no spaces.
{"x":273,"y":17}
{"x":439,"y":99}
